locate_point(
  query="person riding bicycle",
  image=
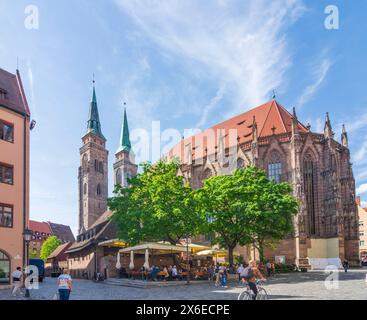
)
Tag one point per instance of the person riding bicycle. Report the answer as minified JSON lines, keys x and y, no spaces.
{"x":250,"y":274}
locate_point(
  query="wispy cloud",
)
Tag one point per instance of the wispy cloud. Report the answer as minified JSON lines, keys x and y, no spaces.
{"x":31,"y":86}
{"x":212,"y":104}
{"x":320,"y":72}
{"x":361,"y":154}
{"x":362,"y":189}
{"x":245,"y":48}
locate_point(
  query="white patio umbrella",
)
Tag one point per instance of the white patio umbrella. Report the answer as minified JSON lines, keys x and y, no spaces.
{"x":146,"y":263}
{"x":118,"y":264}
{"x":131,"y":265}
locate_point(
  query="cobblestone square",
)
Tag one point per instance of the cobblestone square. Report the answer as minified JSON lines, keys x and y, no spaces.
{"x":297,"y":286}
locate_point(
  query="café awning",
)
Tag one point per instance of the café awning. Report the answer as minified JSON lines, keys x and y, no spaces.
{"x":159,"y":248}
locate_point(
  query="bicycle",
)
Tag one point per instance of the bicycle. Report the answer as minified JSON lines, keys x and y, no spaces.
{"x":248,"y":293}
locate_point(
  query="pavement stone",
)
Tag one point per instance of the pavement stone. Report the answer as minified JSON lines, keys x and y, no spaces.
{"x":294,"y":286}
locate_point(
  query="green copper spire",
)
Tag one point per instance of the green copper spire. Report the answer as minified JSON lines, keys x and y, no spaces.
{"x":94,"y":126}
{"x":125,"y":144}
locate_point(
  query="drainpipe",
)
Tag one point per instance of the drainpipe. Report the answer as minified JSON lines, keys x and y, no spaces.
{"x":24,"y":184}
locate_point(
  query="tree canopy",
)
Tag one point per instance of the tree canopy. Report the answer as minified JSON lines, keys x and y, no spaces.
{"x":156,"y":206}
{"x":246,"y":208}
{"x":49,"y":246}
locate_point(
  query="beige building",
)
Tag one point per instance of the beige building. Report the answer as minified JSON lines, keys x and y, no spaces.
{"x":362,"y":213}
{"x":14,"y":173}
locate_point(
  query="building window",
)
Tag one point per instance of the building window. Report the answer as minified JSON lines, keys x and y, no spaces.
{"x":85,"y":162}
{"x":118,"y":177}
{"x":4,"y":268}
{"x":361,"y":233}
{"x":99,"y":189}
{"x":309,"y":187}
{"x":95,"y":165}
{"x":6,"y":216}
{"x":6,"y":131}
{"x":361,"y":223}
{"x":100,"y":167}
{"x":3,"y":94}
{"x":275,"y":168}
{"x":361,"y":243}
{"x":85,"y":188}
{"x":241,"y":164}
{"x":6,"y":174}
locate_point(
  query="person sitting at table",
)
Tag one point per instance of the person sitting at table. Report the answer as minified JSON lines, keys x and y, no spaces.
{"x":174,"y":273}
{"x":210,"y":273}
{"x":166,"y":274}
{"x":155,"y":272}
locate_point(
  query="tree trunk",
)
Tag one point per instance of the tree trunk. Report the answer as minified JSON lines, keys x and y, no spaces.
{"x":230,"y":256}
{"x":261,"y":252}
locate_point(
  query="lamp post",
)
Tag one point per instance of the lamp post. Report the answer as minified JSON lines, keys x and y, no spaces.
{"x":187,"y":260}
{"x":27,"y":236}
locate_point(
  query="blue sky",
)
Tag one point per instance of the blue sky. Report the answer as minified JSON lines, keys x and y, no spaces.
{"x":186,"y":64}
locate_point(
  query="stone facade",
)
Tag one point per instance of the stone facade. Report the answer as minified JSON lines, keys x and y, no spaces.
{"x":95,"y":250}
{"x":315,"y":164}
{"x":93,"y":181}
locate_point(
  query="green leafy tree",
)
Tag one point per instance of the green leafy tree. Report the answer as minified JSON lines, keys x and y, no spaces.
{"x":157,"y":206}
{"x":246,"y":208}
{"x":274,"y":208}
{"x":49,"y":246}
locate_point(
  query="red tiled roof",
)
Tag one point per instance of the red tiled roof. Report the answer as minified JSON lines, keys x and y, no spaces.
{"x":270,"y":118}
{"x":39,"y":226}
{"x":15,"y":98}
{"x":61,"y":231}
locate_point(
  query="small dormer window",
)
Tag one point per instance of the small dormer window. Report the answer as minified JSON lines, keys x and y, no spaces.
{"x":3,"y":94}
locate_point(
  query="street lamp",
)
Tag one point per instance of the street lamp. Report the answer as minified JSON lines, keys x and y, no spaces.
{"x":187,"y":260}
{"x":27,"y":236}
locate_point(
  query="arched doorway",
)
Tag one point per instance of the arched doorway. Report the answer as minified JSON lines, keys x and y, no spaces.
{"x":4,"y":268}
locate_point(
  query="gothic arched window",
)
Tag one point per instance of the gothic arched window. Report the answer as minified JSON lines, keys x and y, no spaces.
{"x":241,"y":164}
{"x":118,"y":177}
{"x":99,"y":189}
{"x":275,"y":168}
{"x":100,"y":167}
{"x":85,"y":162}
{"x":309,"y":186}
{"x":206,"y":174}
{"x":5,"y":268}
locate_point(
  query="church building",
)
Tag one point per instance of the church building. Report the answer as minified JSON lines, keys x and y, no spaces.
{"x":96,"y":247}
{"x":315,"y":164}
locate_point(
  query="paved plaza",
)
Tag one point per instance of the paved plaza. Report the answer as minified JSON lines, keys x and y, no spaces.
{"x":302,"y":286}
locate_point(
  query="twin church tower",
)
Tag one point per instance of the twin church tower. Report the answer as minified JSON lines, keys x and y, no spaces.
{"x":93,"y":170}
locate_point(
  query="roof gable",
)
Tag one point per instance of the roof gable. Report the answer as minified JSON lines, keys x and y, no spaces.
{"x":271,"y":118}
{"x":13,"y":96}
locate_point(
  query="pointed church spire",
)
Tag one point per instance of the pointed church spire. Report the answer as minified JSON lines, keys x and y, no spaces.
{"x":328,"y":131}
{"x":295,"y":129}
{"x":125,"y":144}
{"x":94,"y":125}
{"x":345,"y":137}
{"x":254,"y":130}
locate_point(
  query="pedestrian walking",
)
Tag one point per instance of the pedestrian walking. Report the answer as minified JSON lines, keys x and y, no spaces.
{"x":239,"y":271}
{"x":269,"y":269}
{"x":17,"y":276}
{"x":223,"y":271}
{"x":64,"y":285}
{"x":345,"y":265}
